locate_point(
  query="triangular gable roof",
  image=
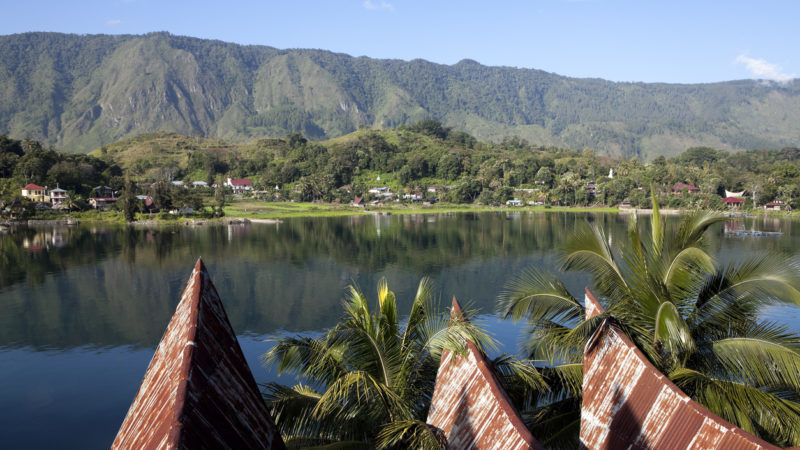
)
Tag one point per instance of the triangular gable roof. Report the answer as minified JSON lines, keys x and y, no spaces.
{"x":33,"y":187}
{"x":470,"y":406}
{"x":198,"y":391}
{"x":628,"y":403}
{"x":241,"y":181}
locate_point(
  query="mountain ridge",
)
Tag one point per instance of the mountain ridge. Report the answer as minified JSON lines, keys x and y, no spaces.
{"x":79,"y":92}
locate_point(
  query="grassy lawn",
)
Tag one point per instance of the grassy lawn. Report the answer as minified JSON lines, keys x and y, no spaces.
{"x":280,"y":210}
{"x":277,"y":210}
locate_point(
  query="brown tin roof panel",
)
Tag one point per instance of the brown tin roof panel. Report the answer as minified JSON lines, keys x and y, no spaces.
{"x":470,"y":406}
{"x":198,"y":391}
{"x":628,"y":403}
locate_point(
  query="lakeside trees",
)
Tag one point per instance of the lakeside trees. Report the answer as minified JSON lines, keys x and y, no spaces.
{"x":410,"y":160}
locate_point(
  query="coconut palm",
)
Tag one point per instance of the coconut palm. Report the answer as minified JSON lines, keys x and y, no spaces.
{"x":699,"y":321}
{"x":369,"y":379}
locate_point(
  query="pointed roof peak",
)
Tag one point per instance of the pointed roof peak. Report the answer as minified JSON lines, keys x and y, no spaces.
{"x":456,"y":308}
{"x":469,"y":405}
{"x":592,"y":305}
{"x":197,"y":376}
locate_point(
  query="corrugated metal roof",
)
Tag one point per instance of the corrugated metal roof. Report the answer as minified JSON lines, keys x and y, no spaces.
{"x":198,"y":391}
{"x":470,"y":406}
{"x":628,"y":403}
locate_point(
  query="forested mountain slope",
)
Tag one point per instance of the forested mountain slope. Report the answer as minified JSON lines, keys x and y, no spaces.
{"x":78,"y":92}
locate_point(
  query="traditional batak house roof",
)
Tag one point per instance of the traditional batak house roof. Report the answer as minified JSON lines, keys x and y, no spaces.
{"x":470,"y":406}
{"x":628,"y":403}
{"x":198,"y":391}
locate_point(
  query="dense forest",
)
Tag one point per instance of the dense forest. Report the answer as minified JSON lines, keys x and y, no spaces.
{"x":423,"y":161}
{"x":79,"y":92}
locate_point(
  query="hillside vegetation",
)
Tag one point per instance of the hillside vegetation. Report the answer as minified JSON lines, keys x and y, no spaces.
{"x":81,"y":92}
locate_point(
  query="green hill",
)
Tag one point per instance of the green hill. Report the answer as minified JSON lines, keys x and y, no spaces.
{"x":81,"y":92}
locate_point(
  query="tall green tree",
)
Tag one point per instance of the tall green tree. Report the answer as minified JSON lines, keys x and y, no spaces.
{"x":700,"y":322}
{"x":375,"y":375}
{"x":129,"y":201}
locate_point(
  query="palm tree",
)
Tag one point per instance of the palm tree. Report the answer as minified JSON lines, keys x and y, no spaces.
{"x":369,"y":380}
{"x":698,"y":321}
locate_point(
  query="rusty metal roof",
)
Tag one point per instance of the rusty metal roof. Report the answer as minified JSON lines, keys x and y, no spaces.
{"x":628,"y":403}
{"x":470,"y":406}
{"x":198,"y":391}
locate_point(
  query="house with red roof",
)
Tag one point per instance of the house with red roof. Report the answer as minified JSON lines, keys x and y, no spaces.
{"x":35,"y":193}
{"x":733,"y":202}
{"x":239,"y":185}
{"x":683,"y":186}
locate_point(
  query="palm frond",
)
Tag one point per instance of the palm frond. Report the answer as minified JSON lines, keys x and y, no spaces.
{"x":569,"y":377}
{"x":357,"y":393}
{"x":671,"y":331}
{"x":745,"y":288}
{"x":535,"y":295}
{"x":410,"y":434}
{"x":306,"y":356}
{"x":589,"y":251}
{"x":693,"y":226}
{"x":754,"y":410}
{"x":757,"y":362}
{"x":514,"y":372}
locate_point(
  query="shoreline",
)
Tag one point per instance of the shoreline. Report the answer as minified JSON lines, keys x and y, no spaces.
{"x":274,"y":213}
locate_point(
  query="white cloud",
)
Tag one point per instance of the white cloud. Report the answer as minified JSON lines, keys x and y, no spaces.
{"x":113,"y":22}
{"x":369,"y":4}
{"x":762,"y":69}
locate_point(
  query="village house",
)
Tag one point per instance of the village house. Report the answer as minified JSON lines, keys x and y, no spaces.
{"x":199,"y":184}
{"x":239,"y":185}
{"x":733,"y":202}
{"x":102,"y":203}
{"x":678,"y":188}
{"x":58,"y":197}
{"x":35,"y":193}
{"x":104,"y":192}
{"x":776,"y":205}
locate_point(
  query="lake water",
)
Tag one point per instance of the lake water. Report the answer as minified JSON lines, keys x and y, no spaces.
{"x":82,"y":308}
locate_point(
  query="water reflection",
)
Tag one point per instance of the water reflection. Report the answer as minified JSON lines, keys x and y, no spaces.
{"x":83,"y":307}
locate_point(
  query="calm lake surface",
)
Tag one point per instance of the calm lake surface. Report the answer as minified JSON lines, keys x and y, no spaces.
{"x":83,"y":308}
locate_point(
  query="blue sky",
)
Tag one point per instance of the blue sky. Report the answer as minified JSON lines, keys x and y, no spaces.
{"x":669,"y":41}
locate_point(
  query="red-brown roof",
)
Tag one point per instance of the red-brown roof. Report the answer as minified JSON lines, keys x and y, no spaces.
{"x":628,"y":403}
{"x":732,"y":200}
{"x":198,"y":391}
{"x":241,"y":182}
{"x":470,"y":406}
{"x":33,"y":187}
{"x":682,"y":186}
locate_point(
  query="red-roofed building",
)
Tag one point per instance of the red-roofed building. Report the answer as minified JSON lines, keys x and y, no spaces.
{"x":733,"y":202}
{"x":35,"y":192}
{"x":687,"y":187}
{"x":776,"y":205}
{"x":239,"y":185}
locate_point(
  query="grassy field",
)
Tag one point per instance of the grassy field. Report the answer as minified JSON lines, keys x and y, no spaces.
{"x":278,"y":210}
{"x":281,"y":210}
